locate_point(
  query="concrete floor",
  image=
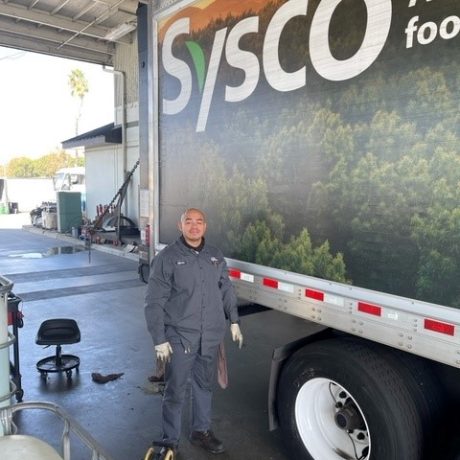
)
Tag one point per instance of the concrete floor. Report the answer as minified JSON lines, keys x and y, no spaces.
{"x":55,"y":278}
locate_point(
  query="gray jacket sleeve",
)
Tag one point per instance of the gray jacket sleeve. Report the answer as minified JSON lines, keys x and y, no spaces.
{"x":158,"y":292}
{"x":228,"y":295}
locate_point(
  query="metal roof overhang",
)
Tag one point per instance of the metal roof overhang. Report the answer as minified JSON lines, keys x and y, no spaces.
{"x":107,"y":134}
{"x":84,"y":30}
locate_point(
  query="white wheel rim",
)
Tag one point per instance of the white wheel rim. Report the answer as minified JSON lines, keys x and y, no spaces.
{"x":315,"y":409}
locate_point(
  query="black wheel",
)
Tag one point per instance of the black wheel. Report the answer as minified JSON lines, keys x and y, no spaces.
{"x":68,"y":374}
{"x":144,"y":271}
{"x":19,"y":395}
{"x":339,"y":399}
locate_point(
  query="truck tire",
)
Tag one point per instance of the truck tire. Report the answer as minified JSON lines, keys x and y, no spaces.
{"x":420,"y":377}
{"x":338,"y":399}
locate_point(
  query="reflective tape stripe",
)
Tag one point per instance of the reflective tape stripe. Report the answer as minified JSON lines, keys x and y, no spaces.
{"x":438,"y":326}
{"x":285,"y":287}
{"x":334,"y":300}
{"x":247,"y":277}
{"x":233,"y":273}
{"x":362,"y":307}
{"x":275,"y":284}
{"x":392,"y":315}
{"x":270,"y":283}
{"x":317,"y":295}
{"x":370,"y":309}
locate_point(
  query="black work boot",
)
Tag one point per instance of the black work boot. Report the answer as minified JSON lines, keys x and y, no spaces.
{"x":207,"y":441}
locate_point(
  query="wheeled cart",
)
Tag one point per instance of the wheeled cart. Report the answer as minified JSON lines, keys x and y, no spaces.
{"x":13,"y":444}
{"x":20,"y":446}
{"x":15,"y":320}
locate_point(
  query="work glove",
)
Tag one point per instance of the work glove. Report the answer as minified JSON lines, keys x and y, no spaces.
{"x":164,"y":352}
{"x":237,"y":336}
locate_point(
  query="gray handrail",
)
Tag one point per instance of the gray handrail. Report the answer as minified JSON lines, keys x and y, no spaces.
{"x":9,"y":342}
{"x":70,"y":426}
{"x":5,"y":285}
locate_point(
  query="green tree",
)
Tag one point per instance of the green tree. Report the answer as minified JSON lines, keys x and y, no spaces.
{"x":78,"y":88}
{"x":44,"y":166}
{"x":47,"y":165}
{"x":258,"y":243}
{"x":21,"y":167}
{"x":233,"y":200}
{"x":437,"y":231}
{"x":300,"y":256}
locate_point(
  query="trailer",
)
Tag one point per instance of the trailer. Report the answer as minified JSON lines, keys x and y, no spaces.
{"x":322,"y":139}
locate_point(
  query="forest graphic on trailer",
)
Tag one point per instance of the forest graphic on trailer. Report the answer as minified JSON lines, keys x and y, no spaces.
{"x":354,"y":181}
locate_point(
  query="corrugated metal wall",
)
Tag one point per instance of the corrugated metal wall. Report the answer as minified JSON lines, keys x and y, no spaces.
{"x":101,"y":188}
{"x":125,"y":60}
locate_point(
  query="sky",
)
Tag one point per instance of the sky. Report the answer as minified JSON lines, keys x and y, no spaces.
{"x":37,"y":110}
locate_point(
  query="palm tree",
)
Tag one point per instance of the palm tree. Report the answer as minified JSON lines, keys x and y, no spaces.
{"x":78,"y":88}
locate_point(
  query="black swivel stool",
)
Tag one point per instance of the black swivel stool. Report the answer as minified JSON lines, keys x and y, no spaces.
{"x":60,"y":331}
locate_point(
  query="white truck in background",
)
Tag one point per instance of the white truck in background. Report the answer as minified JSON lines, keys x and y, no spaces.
{"x":322,"y":138}
{"x":70,"y":179}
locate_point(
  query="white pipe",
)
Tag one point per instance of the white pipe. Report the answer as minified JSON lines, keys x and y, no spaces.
{"x":5,"y":397}
{"x":123,"y":127}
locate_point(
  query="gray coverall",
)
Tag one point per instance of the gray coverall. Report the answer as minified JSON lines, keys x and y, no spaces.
{"x":189,"y":299}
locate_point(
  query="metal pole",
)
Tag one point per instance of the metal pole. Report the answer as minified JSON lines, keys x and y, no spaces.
{"x":5,"y":392}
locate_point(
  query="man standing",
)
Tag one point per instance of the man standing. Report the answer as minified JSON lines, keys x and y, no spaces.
{"x":189,"y":299}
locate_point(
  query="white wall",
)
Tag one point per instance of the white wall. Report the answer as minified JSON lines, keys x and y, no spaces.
{"x":101,"y":177}
{"x":29,"y":193}
{"x":105,"y":176}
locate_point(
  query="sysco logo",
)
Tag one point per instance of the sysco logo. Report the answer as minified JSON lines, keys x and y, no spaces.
{"x":226,"y":42}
